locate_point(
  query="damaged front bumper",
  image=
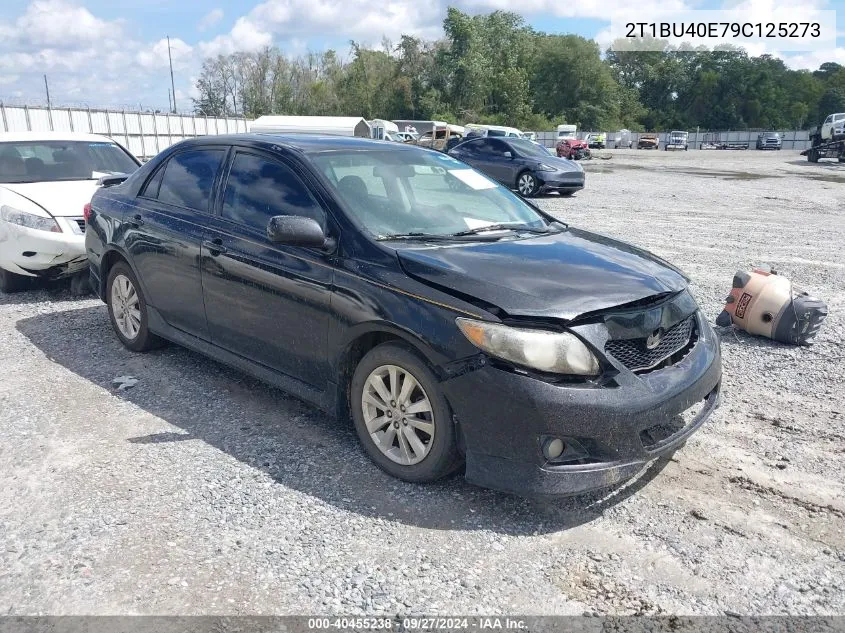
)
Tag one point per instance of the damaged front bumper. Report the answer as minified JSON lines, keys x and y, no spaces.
{"x":611,"y":430}
{"x":37,"y":253}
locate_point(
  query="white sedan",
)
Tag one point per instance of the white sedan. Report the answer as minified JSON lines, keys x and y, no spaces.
{"x":46,"y":179}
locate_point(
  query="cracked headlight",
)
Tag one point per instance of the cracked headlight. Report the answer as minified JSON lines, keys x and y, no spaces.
{"x":553,"y":352}
{"x":29,"y":220}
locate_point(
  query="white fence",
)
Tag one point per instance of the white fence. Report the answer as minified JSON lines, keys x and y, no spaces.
{"x":144,"y":134}
{"x":791,"y":139}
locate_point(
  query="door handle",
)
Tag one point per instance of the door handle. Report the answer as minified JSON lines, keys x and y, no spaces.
{"x":215,"y":247}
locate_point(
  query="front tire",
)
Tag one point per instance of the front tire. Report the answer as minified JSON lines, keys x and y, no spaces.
{"x":128,"y":310}
{"x":402,"y":419}
{"x":12,"y":282}
{"x":527,"y":185}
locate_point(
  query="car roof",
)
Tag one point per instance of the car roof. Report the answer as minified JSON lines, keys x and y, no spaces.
{"x":10,"y":137}
{"x":304,"y":143}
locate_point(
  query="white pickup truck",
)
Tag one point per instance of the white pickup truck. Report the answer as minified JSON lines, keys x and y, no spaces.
{"x":833,"y":128}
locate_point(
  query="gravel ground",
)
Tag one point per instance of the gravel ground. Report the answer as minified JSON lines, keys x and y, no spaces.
{"x":200,"y":490}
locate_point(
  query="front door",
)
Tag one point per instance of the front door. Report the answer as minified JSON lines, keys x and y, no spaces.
{"x":164,"y":235}
{"x":265,"y":301}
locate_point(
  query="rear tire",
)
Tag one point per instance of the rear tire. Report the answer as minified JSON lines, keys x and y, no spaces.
{"x":12,"y":282}
{"x":128,"y":310}
{"x":406,"y":428}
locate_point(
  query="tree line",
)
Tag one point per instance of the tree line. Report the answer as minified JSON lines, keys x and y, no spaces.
{"x":495,"y":69}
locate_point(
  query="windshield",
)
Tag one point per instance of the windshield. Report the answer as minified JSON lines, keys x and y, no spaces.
{"x":48,"y":161}
{"x":527,"y":148}
{"x":419,"y":192}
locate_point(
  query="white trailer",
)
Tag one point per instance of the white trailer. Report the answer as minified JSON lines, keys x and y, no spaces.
{"x":381,"y":129}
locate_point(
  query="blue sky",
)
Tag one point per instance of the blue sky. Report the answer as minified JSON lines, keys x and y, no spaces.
{"x":103,"y":52}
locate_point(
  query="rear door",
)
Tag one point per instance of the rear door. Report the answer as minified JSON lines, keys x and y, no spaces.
{"x":165,"y":231}
{"x":487,"y":155}
{"x":265,"y":301}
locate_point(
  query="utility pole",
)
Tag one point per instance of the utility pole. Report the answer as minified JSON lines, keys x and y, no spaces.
{"x":47,"y":88}
{"x":172,"y":83}
{"x":169,"y":101}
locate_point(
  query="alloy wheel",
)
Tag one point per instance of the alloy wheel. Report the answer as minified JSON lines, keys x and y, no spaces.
{"x":126,"y":307}
{"x":526,"y":184}
{"x":398,"y":414}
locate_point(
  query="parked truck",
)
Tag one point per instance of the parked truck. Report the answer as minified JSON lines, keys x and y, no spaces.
{"x":828,"y":139}
{"x":677,"y":139}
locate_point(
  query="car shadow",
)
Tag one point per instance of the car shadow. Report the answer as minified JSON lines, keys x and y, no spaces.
{"x":297,"y":445}
{"x":40,"y":291}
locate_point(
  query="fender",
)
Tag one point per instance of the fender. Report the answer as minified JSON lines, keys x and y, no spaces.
{"x":115,"y":248}
{"x":358,"y":330}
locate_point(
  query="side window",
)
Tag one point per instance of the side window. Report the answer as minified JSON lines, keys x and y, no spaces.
{"x":189,"y":177}
{"x":493,"y":147}
{"x":470,"y":148}
{"x":829,"y":119}
{"x":150,"y":190}
{"x":258,"y":189}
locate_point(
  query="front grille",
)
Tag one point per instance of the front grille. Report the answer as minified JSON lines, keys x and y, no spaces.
{"x":635,"y":355}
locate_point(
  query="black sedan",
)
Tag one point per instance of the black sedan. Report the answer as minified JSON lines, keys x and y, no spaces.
{"x":452,"y":322}
{"x":520,"y":164}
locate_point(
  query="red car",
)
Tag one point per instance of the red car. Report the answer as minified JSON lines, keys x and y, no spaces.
{"x":572,"y":148}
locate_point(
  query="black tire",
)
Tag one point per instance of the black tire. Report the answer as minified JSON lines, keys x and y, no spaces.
{"x":80,"y":284}
{"x":12,"y":282}
{"x":443,"y":457}
{"x":534,"y":184}
{"x":144,"y":340}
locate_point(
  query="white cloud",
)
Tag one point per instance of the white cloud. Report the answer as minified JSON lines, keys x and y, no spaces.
{"x":596,"y":9}
{"x":157,"y":57}
{"x":812,"y":61}
{"x":58,"y":24}
{"x":210,"y":19}
{"x":350,"y":19}
{"x":87,"y":59}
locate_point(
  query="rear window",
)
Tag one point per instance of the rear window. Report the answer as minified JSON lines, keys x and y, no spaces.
{"x":50,"y":161}
{"x":189,"y":178}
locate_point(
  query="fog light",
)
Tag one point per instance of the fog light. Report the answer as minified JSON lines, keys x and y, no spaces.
{"x":553,"y":448}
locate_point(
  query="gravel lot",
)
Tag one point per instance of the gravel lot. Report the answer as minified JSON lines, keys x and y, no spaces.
{"x":201,"y":490}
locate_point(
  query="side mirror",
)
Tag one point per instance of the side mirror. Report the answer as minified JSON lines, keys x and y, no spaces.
{"x":508,"y":155}
{"x":296,"y":230}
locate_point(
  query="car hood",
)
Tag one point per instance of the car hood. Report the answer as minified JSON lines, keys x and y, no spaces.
{"x":63,"y":199}
{"x":561,"y":164}
{"x":561,"y":275}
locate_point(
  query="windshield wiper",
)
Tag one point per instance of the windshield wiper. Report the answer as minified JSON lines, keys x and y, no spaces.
{"x":501,"y":227}
{"x":413,"y":236}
